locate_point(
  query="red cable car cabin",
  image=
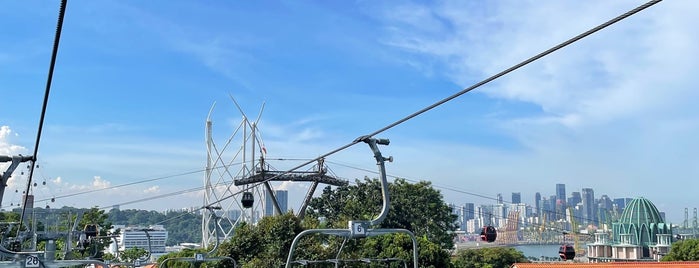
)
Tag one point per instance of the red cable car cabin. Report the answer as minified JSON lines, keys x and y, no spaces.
{"x":488,"y":233}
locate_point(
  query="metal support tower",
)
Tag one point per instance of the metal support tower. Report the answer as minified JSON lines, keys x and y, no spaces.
{"x":694,"y":223}
{"x":14,"y":162}
{"x":318,"y":174}
{"x":225,"y":164}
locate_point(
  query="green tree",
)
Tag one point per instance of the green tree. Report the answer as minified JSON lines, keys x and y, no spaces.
{"x":417,"y":207}
{"x":263,"y":245}
{"x":494,"y":257}
{"x":132,"y":254}
{"x":683,"y":250}
{"x":182,"y":259}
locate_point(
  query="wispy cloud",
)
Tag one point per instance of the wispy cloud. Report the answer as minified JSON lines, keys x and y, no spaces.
{"x":607,"y":103}
{"x":612,"y":75}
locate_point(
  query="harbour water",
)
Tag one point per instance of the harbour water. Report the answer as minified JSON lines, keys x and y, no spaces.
{"x":536,"y":251}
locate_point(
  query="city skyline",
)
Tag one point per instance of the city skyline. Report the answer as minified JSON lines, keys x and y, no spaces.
{"x":586,"y":207}
{"x":135,"y":81}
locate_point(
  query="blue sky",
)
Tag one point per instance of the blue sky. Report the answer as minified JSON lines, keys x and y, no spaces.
{"x":135,"y":80}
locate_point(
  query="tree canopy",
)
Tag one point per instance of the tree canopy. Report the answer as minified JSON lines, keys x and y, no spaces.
{"x":495,"y":257}
{"x":683,"y":250}
{"x":417,"y":207}
{"x":263,"y":245}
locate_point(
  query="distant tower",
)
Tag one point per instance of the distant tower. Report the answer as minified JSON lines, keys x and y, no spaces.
{"x":561,"y":193}
{"x":537,"y":203}
{"x":469,"y":210}
{"x":574,"y":199}
{"x":589,"y":205}
{"x":219,"y":189}
{"x":553,"y":214}
{"x":560,"y":201}
{"x":694,"y":222}
{"x":499,"y":198}
{"x":516,"y":198}
{"x":282,"y":199}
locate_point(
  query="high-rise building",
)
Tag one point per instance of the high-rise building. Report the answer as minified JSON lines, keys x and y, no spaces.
{"x":605,"y":202}
{"x":621,"y":203}
{"x":537,"y":204}
{"x":561,"y":192}
{"x":560,"y":201}
{"x":459,"y":212}
{"x":484,"y":214}
{"x":469,"y":211}
{"x":605,"y":207}
{"x":282,"y":200}
{"x":499,"y":198}
{"x":589,"y":205}
{"x":574,"y":199}
{"x":516,"y":198}
{"x":553,"y":213}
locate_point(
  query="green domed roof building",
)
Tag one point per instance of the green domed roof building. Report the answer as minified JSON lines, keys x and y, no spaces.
{"x":642,"y":221}
{"x":640,"y":234}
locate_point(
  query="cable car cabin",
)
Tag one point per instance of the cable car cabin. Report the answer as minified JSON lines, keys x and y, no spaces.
{"x":247,"y":199}
{"x":488,"y":233}
{"x":90,"y":230}
{"x":567,"y":252}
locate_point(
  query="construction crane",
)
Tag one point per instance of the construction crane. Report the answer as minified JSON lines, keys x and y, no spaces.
{"x":575,"y":232}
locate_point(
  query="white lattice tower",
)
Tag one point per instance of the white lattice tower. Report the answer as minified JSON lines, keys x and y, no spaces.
{"x":224,"y":164}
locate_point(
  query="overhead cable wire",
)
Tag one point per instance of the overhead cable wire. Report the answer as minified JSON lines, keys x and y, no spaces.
{"x":468,"y":89}
{"x":134,"y":183}
{"x":52,"y":64}
{"x":454,"y":189}
{"x":190,"y":190}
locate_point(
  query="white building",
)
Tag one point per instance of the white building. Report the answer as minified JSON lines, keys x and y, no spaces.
{"x":138,"y":237}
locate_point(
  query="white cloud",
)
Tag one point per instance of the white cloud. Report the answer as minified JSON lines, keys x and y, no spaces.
{"x":98,"y":182}
{"x":6,"y":146}
{"x":616,"y":111}
{"x":152,"y":190}
{"x":619,"y":72}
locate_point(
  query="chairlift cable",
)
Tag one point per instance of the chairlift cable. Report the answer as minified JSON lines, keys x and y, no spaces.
{"x":455,"y":189}
{"x":468,"y":89}
{"x":52,"y":64}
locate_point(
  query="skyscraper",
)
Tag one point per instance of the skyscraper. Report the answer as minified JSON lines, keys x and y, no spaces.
{"x":282,"y":200}
{"x":560,"y":201}
{"x":499,"y":198}
{"x":537,"y":203}
{"x":575,"y":198}
{"x":553,"y":213}
{"x":469,"y":211}
{"x":589,"y":205}
{"x":516,"y":198}
{"x":561,"y":192}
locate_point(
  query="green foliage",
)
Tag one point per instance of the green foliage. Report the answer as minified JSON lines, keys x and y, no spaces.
{"x":416,"y":207}
{"x":495,"y":257}
{"x":182,"y":259}
{"x":264,"y":245}
{"x":132,"y":254}
{"x":683,"y":250}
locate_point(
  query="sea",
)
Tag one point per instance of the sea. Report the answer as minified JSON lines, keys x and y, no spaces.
{"x":539,"y":251}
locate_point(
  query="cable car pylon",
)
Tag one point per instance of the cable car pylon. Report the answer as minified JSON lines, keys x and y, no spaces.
{"x":361,"y":228}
